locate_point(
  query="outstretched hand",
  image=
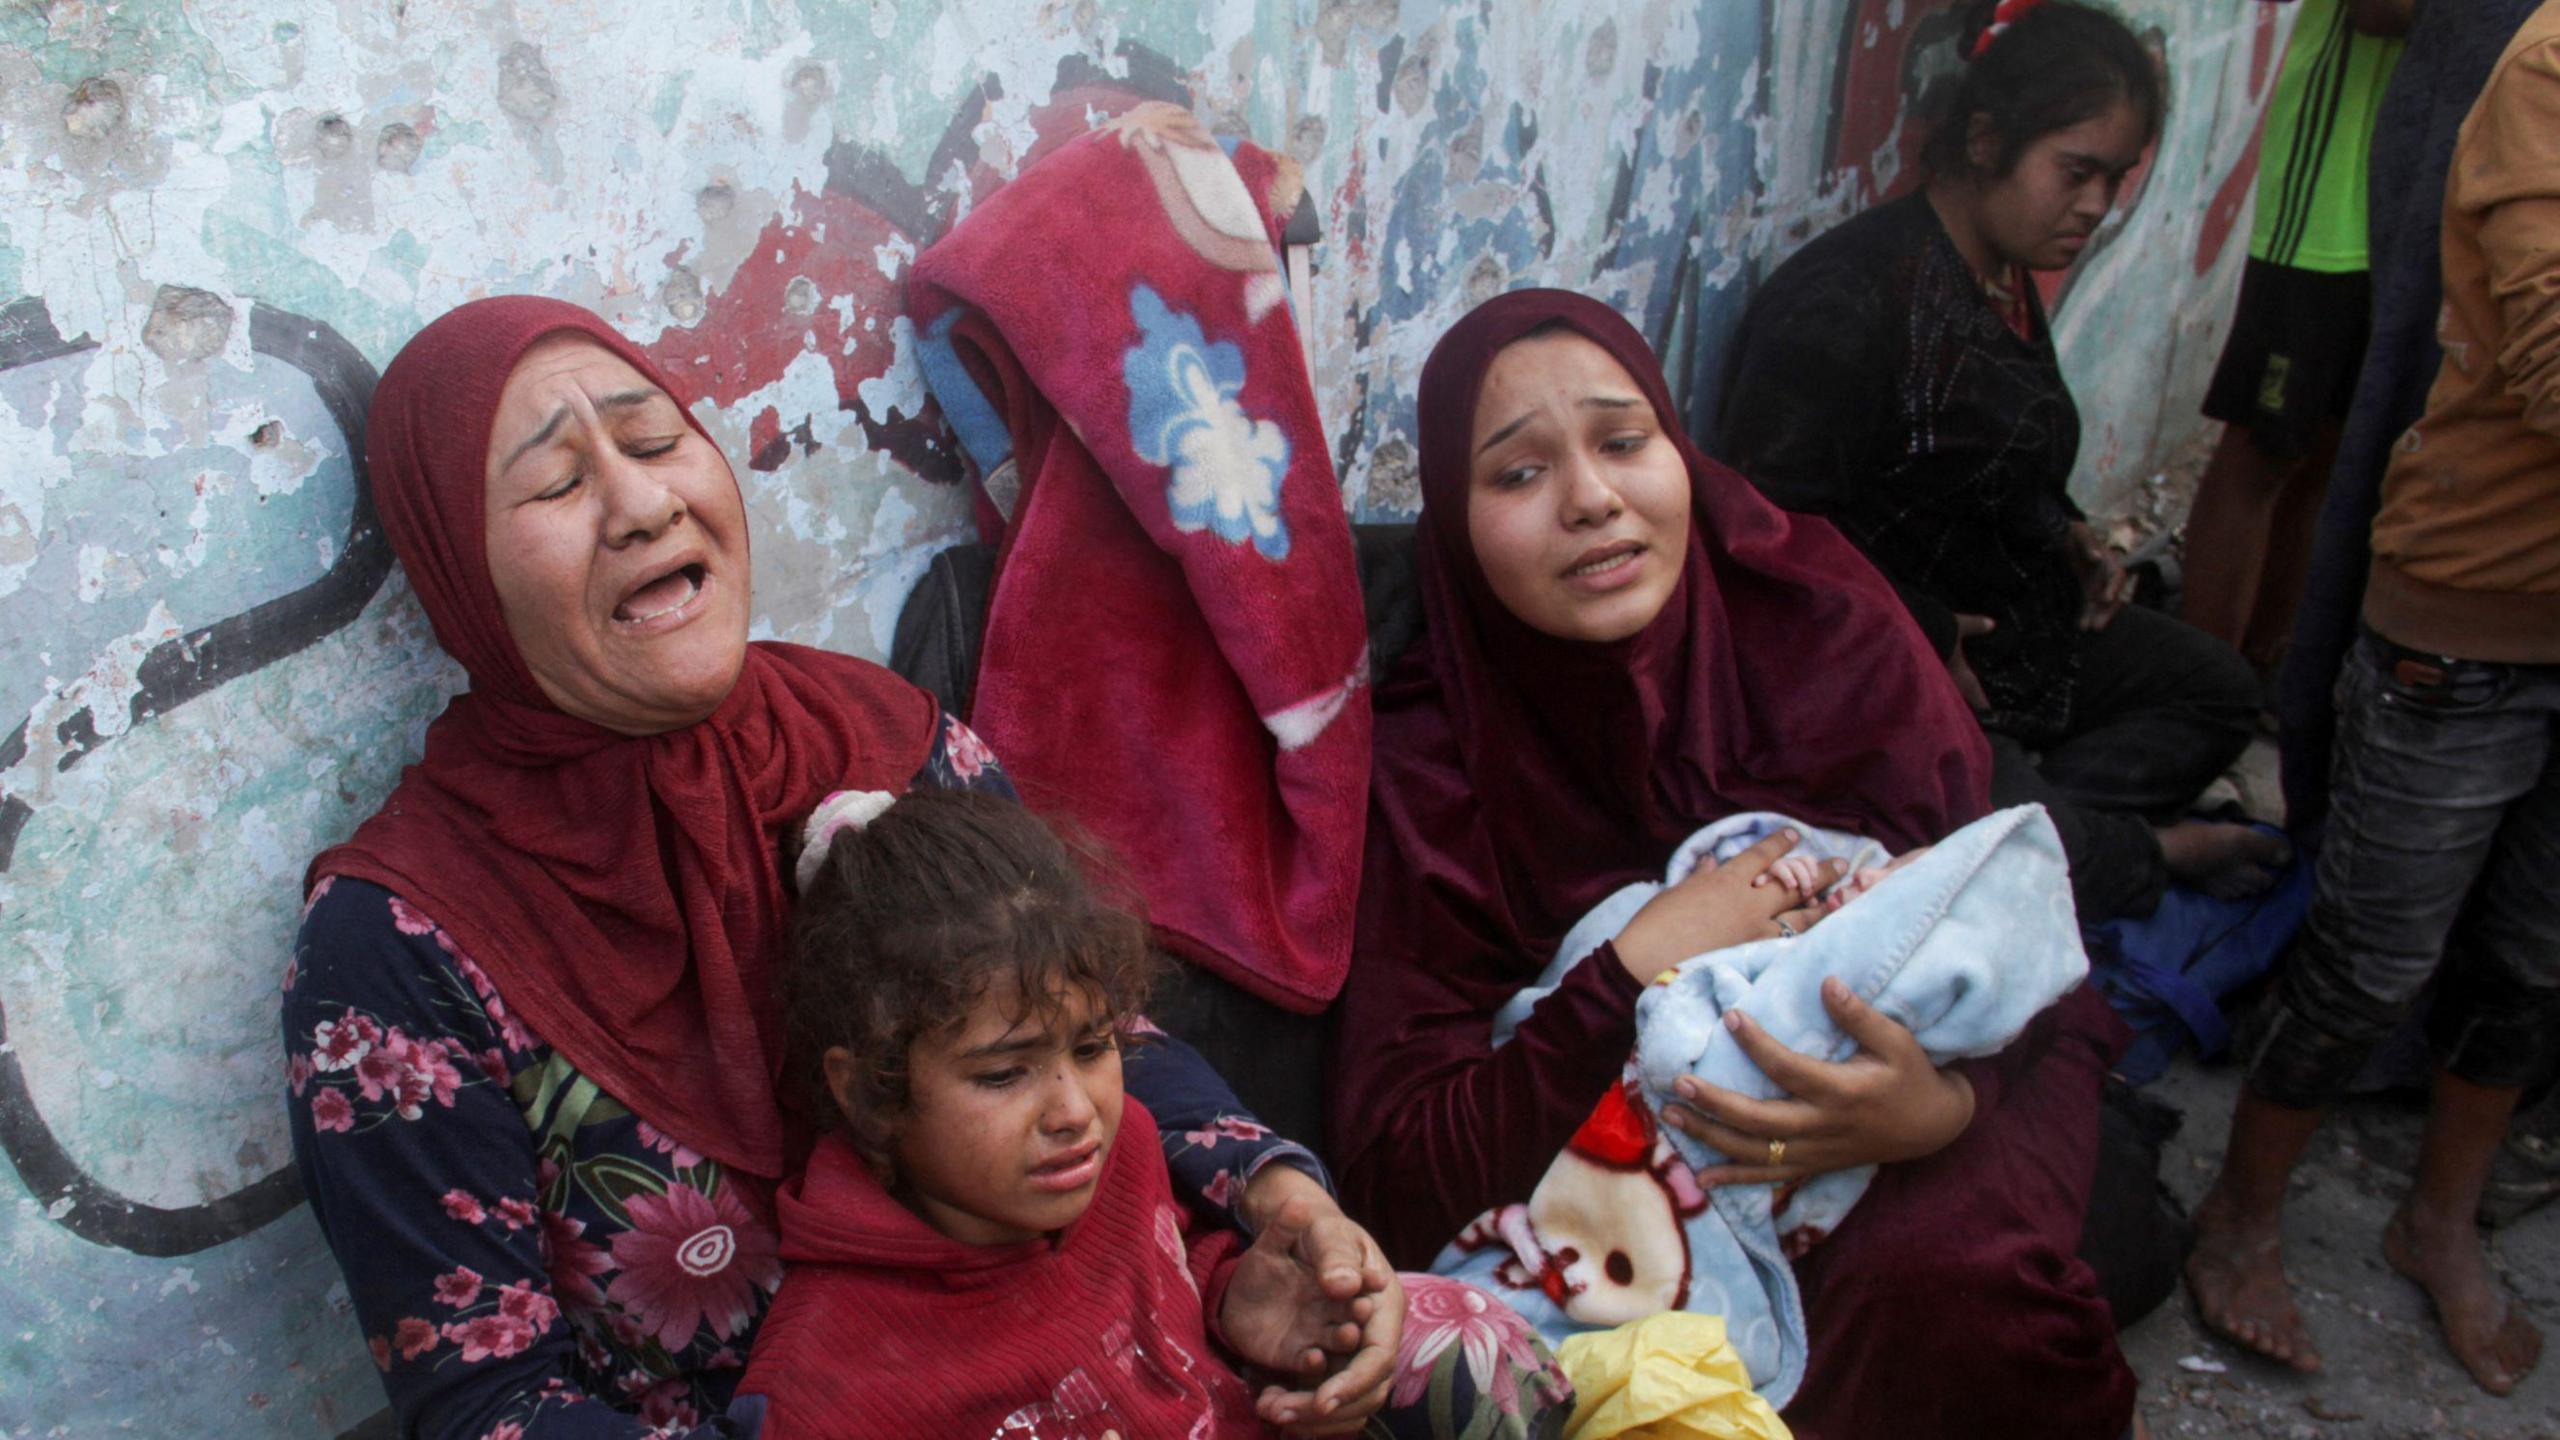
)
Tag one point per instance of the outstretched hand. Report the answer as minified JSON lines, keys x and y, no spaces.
{"x":1314,"y":1299}
{"x":1884,"y":1103}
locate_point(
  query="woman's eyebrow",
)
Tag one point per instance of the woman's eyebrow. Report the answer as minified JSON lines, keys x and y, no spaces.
{"x":1505,"y":433}
{"x":1587,"y":402}
{"x":618,"y":400}
{"x":549,"y":428}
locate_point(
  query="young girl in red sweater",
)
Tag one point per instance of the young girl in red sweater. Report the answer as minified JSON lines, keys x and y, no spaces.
{"x":985,"y":1242}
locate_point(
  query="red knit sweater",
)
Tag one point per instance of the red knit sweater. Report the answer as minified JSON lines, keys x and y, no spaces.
{"x":886,"y":1327}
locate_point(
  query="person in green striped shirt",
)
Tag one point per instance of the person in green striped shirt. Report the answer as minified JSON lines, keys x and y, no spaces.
{"x":2289,"y":368}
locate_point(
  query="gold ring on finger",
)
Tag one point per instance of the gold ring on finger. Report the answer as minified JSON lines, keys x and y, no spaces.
{"x":1777,"y":1152}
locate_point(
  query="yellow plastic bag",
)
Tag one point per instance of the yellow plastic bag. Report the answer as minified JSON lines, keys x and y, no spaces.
{"x":1666,"y":1377}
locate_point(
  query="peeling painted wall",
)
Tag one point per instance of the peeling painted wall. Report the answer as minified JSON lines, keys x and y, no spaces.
{"x":219,"y":219}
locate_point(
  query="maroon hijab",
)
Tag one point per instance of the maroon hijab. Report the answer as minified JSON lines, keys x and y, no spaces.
{"x":625,"y":895}
{"x":1526,"y":777}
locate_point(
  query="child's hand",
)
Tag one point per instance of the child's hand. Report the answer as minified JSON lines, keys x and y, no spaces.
{"x":1278,"y":1313}
{"x":1714,"y":908}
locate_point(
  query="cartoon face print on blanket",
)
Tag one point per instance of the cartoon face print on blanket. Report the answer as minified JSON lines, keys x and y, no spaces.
{"x":1962,"y":942}
{"x":1602,"y":1235}
{"x":1206,"y":200}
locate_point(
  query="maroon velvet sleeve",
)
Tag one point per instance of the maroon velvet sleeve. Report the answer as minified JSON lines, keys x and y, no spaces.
{"x":1433,"y":1125}
{"x":2082,"y":1012}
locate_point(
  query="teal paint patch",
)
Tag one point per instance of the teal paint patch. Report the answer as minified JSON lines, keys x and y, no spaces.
{"x":669,"y":104}
{"x":251,"y":1340}
{"x":405,"y":253}
{"x":841,"y":31}
{"x":278,"y":274}
{"x":175,"y":1100}
{"x":452,"y":137}
{"x":154,"y":39}
{"x":213,"y":525}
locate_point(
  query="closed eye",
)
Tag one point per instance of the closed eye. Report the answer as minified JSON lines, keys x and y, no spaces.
{"x":563,"y":488}
{"x":651,"y":449}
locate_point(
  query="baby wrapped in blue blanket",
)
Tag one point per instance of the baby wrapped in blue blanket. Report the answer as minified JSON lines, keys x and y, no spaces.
{"x":1963,"y":942}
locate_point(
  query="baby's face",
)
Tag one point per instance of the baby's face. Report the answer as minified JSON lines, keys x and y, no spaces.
{"x":1809,"y":877}
{"x":1011,"y":1117}
{"x":1869,"y":878}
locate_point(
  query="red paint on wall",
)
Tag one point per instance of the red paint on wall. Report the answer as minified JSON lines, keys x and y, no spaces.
{"x":747,"y":336}
{"x":1872,"y":88}
{"x":765,"y":447}
{"x":2230,"y":202}
{"x":2262,"y":52}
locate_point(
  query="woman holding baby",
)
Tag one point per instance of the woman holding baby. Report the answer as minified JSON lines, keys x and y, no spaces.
{"x":1625,"y":643}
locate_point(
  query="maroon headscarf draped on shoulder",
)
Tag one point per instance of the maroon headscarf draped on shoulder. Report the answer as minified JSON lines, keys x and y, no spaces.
{"x":625,"y":895}
{"x":1782,"y":674}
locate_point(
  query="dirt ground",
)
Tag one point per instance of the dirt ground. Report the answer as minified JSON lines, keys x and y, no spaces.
{"x":2388,"y":1374}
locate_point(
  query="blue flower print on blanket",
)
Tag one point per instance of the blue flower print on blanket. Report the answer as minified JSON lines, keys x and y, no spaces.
{"x":1183,"y":415}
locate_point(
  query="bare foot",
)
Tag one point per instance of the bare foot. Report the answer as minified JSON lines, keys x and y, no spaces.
{"x":2481,"y":1324}
{"x":2236,"y":1273}
{"x":2226,"y":861}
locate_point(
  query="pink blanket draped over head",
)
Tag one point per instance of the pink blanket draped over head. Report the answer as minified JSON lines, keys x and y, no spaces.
{"x":624,"y":894}
{"x":1175,"y":650}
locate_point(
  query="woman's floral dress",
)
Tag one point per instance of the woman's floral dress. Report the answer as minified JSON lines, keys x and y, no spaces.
{"x":532,"y":1261}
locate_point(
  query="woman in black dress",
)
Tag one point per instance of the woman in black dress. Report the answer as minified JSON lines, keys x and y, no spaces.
{"x":1898,"y":376}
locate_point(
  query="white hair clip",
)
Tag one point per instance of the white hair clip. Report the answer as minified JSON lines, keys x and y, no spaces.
{"x":844,"y":810}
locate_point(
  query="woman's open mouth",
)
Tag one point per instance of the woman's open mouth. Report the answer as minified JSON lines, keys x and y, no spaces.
{"x":668,"y":600}
{"x":1607,"y":567}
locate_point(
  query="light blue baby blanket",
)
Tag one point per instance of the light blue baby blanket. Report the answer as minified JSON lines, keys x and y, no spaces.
{"x":1964,"y":946}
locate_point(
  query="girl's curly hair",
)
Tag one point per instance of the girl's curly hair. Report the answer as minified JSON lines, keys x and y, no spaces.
{"x":948,"y":895}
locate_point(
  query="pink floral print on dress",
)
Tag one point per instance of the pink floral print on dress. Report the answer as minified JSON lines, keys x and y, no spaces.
{"x":690,"y":1259}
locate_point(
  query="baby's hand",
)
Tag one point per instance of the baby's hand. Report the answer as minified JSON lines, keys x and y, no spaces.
{"x":1869,"y":878}
{"x":1802,"y":874}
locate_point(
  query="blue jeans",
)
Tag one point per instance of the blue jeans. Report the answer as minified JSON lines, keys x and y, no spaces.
{"x":2442,"y":854}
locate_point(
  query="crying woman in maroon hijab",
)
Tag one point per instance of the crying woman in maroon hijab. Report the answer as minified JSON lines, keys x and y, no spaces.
{"x":1625,"y":643}
{"x":529,"y":1021}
